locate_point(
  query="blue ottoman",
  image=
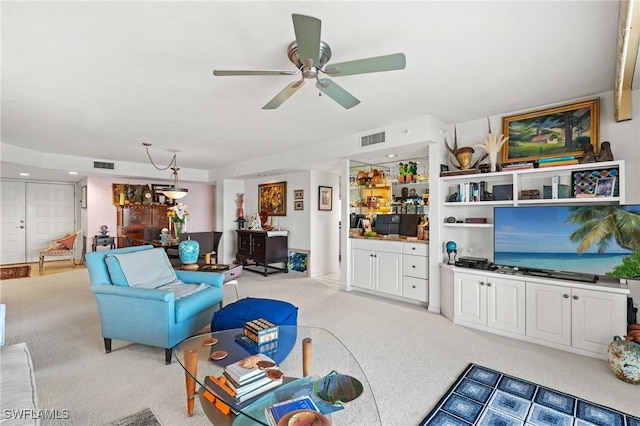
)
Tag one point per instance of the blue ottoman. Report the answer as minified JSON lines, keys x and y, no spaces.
{"x":235,"y":314}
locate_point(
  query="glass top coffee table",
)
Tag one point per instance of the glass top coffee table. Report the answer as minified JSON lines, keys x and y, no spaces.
{"x":324,"y":353}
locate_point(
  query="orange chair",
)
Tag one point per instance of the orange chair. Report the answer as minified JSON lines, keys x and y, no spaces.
{"x":62,"y":247}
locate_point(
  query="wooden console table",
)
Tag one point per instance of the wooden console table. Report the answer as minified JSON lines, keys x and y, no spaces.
{"x":264,"y":249}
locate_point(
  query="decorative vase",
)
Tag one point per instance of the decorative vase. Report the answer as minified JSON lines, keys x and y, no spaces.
{"x":624,"y":357}
{"x":188,"y":251}
{"x":177,"y":230}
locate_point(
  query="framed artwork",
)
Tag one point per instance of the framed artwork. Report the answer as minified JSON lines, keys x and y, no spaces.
{"x":552,"y":132}
{"x":299,"y":260}
{"x":83,"y":197}
{"x":298,"y":194}
{"x":584,"y":182}
{"x":272,"y":198}
{"x":298,"y":205}
{"x":604,"y":186}
{"x":325,"y":198}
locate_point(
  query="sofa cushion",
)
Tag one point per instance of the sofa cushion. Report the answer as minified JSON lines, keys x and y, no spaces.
{"x":235,"y":314}
{"x":17,"y":382}
{"x":180,"y":289}
{"x":145,"y":269}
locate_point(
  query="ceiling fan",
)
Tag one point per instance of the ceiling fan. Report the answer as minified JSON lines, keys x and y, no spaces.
{"x":310,"y":54}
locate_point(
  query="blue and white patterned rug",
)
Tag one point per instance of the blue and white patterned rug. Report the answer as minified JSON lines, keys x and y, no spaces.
{"x":481,"y":396}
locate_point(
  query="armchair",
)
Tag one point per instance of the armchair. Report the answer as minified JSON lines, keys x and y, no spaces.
{"x":142,"y":299}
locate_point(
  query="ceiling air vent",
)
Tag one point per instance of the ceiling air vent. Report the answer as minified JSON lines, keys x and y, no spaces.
{"x":372,"y":139}
{"x":103,"y":165}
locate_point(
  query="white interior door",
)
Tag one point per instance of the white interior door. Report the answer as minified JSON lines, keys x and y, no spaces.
{"x":50,"y":215}
{"x":13,"y":246}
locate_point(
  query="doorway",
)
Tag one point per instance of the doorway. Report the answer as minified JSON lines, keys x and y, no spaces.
{"x":33,"y":214}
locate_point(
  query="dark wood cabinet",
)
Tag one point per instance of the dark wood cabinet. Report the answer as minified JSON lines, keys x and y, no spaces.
{"x":264,"y":252}
{"x":133,"y":219}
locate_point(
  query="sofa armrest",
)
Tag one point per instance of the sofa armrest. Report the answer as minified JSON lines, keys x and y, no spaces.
{"x":132,"y":292}
{"x":214,"y":279}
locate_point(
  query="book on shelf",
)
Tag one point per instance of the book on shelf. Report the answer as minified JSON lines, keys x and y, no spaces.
{"x":512,"y":166}
{"x":240,"y":374}
{"x":221,"y":390}
{"x":553,"y":159}
{"x":277,"y":411}
{"x":558,"y":163}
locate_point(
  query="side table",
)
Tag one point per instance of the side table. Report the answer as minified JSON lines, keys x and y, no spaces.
{"x":103,"y":241}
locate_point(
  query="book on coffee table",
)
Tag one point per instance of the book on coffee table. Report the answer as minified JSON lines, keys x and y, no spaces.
{"x":277,"y":411}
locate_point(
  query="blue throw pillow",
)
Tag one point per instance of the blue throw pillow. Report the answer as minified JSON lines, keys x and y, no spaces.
{"x":115,"y":271}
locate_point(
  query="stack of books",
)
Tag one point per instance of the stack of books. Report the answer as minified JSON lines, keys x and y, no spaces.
{"x":240,"y":384}
{"x":248,"y":382}
{"x":557,"y":161}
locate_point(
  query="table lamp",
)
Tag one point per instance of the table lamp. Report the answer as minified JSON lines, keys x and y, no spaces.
{"x":452,"y":247}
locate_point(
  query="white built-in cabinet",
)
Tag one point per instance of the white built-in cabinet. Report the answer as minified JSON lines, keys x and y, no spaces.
{"x":576,"y":317}
{"x":394,"y":268}
{"x":490,"y":301}
{"x":572,"y":316}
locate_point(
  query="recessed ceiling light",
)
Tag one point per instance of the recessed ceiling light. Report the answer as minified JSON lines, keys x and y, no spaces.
{"x":24,"y":174}
{"x":391,"y":155}
{"x":261,"y":175}
{"x":73,"y":173}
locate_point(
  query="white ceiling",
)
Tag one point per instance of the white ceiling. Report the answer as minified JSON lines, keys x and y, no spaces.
{"x":96,"y":79}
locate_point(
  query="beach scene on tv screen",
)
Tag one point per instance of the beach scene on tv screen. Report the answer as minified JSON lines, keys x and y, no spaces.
{"x":581,"y":239}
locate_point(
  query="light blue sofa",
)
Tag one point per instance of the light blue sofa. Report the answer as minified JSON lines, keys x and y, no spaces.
{"x":132,"y":308}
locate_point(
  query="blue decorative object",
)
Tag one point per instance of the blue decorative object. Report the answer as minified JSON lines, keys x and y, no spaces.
{"x":481,"y":396}
{"x":189,"y":251}
{"x":452,"y":247}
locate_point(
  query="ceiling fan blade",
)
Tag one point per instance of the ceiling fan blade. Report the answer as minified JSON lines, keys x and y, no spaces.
{"x":307,"y":29}
{"x":396,"y":61}
{"x":337,"y":93}
{"x":284,"y":95}
{"x":223,"y":73}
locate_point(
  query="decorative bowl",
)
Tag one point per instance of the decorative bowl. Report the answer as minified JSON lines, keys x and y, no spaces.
{"x":336,"y":388}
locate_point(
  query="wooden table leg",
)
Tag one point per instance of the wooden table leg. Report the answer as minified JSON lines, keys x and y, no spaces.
{"x":191,"y":369}
{"x":306,"y":357}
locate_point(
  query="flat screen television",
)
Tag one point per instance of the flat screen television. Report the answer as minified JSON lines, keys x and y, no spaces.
{"x":573,"y":242}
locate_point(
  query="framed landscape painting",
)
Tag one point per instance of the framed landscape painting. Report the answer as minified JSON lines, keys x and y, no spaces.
{"x":552,"y":132}
{"x":272,"y":198}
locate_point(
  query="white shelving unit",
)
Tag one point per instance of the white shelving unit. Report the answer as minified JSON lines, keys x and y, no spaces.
{"x":476,"y":239}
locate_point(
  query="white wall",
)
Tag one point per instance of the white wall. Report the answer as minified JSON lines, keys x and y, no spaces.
{"x":324,"y":225}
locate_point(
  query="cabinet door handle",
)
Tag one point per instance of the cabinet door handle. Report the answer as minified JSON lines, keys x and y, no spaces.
{"x":413,"y":286}
{"x":413,"y":266}
{"x":413,"y":248}
{"x":488,"y":284}
{"x":566,"y":296}
{"x":481,"y":282}
{"x":575,"y":297}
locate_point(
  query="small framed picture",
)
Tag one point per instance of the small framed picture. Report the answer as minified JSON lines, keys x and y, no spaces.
{"x":298,"y":194}
{"x":325,"y":195}
{"x":366,"y":224}
{"x":604,"y":186}
{"x":298,"y":205}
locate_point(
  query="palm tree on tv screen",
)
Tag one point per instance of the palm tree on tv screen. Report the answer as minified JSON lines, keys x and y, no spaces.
{"x":602,"y":224}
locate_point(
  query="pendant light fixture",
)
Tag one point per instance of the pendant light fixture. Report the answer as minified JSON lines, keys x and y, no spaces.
{"x":172,"y":191}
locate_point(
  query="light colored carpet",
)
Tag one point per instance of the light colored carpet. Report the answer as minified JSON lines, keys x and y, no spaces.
{"x":410,"y":356}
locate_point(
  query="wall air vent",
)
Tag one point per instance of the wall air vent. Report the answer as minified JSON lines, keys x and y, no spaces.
{"x":372,"y":139}
{"x":104,"y":165}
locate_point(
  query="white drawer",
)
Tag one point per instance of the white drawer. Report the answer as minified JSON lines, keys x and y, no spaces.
{"x":414,"y":266}
{"x":414,"y":288}
{"x":417,"y":249}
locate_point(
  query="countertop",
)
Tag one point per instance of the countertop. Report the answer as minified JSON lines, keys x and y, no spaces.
{"x":390,"y":238}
